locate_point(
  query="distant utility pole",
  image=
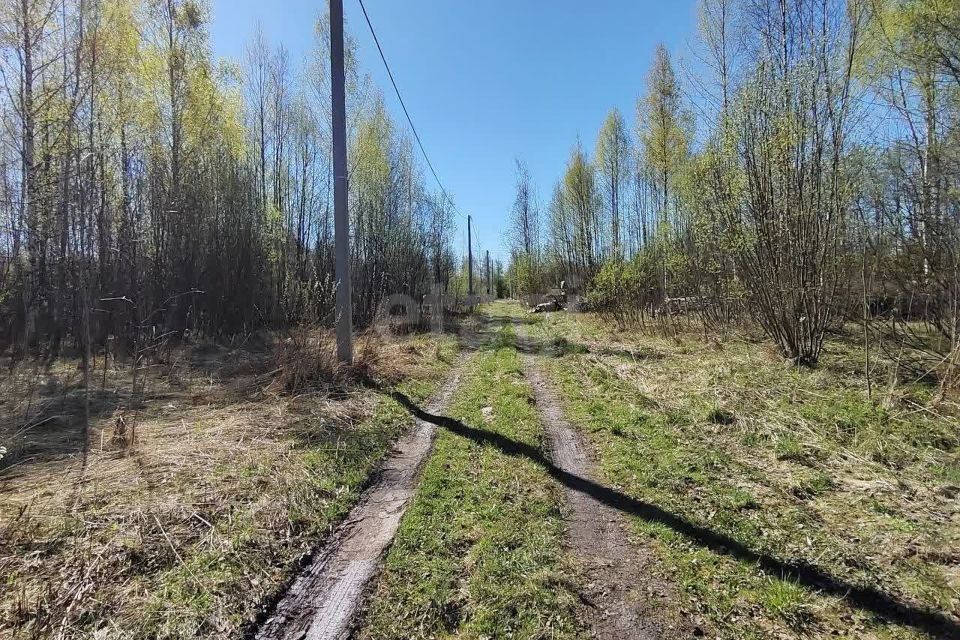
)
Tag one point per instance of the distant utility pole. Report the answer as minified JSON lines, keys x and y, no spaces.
{"x":341,"y":220}
{"x":469,"y":260}
{"x":488,"y":272}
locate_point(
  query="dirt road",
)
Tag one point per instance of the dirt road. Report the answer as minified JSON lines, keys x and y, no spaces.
{"x":321,"y":602}
{"x":619,"y":587}
{"x":620,"y":593}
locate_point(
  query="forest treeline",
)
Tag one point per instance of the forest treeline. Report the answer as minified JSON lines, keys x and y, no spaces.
{"x":148,"y":190}
{"x":806,"y":173}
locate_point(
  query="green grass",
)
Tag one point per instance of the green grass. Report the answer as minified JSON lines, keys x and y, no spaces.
{"x":479,"y":552}
{"x":794,"y":463}
{"x":789,"y":600}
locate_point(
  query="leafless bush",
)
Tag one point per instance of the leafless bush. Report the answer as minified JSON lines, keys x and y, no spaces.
{"x":124,"y":432}
{"x":306,"y":358}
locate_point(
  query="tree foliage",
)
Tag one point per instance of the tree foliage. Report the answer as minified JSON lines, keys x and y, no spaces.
{"x":823,"y":187}
{"x":148,"y":190}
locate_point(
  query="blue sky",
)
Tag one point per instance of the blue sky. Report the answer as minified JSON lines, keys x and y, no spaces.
{"x":489,"y":81}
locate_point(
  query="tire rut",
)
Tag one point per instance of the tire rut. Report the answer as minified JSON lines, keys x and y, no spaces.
{"x":625,"y":597}
{"x":323,"y":599}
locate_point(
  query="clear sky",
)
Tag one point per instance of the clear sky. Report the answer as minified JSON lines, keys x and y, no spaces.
{"x":488,"y":81}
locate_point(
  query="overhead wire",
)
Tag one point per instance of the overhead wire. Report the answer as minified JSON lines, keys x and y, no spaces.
{"x":406,"y":113}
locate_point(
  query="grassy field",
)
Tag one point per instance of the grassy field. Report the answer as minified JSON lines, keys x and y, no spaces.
{"x":749,"y":463}
{"x":781,"y":502}
{"x":239,"y":465}
{"x":479,"y":553}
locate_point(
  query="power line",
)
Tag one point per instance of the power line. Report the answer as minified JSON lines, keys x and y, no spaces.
{"x":407,"y":113}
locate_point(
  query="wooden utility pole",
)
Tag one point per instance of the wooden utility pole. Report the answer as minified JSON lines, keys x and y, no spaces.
{"x":469,"y":259}
{"x":341,"y":231}
{"x":488,"y":272}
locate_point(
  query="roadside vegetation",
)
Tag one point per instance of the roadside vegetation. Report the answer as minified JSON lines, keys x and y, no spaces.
{"x":174,"y":432}
{"x":769,"y":360}
{"x":195,"y":500}
{"x":795,"y":463}
{"x":480,"y":553}
{"x":798,"y":172}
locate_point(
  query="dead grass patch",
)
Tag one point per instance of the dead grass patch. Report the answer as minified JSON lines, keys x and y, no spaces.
{"x":199,"y":492}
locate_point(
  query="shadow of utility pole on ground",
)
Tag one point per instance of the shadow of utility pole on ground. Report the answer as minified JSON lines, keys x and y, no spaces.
{"x":869,"y":599}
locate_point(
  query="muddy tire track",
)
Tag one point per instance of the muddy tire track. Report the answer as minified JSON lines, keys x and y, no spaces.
{"x":323,"y":600}
{"x":624,"y":595}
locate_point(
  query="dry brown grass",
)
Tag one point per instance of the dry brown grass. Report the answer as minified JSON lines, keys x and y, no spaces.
{"x":197,"y":496}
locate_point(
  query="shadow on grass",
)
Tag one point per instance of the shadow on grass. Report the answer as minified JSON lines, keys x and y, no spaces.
{"x":867,"y":598}
{"x":56,"y":429}
{"x":526,"y":319}
{"x":559,"y":347}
